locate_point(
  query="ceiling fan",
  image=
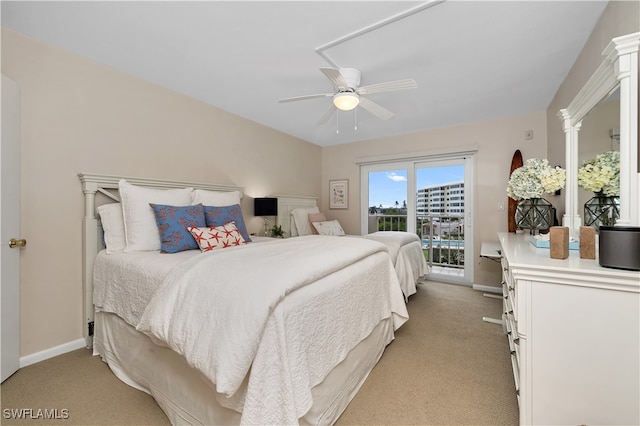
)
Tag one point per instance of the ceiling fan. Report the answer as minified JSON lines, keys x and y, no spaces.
{"x":349,"y":94}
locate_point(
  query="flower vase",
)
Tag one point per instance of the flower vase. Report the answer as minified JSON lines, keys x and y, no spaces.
{"x":601,"y":210}
{"x":534,"y":214}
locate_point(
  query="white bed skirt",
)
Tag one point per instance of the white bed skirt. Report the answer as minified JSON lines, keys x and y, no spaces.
{"x":188,"y":398}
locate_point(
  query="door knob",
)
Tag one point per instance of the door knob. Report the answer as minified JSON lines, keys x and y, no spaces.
{"x":13,"y":243}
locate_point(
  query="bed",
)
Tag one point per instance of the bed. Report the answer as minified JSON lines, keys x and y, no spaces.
{"x":270,"y":331}
{"x":301,"y":215}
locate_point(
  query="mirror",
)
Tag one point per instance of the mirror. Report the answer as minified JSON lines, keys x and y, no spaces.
{"x":599,"y":132}
{"x":614,"y":82}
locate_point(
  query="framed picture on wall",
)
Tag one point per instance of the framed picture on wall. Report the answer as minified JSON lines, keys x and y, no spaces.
{"x":339,"y":194}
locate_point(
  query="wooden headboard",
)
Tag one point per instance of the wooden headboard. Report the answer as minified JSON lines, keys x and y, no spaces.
{"x":92,"y":232}
{"x":288,"y":203}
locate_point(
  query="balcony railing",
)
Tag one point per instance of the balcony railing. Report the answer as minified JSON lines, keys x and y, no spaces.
{"x":442,"y":235}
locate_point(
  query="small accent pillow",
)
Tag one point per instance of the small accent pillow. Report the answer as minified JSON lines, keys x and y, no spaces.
{"x":218,"y":216}
{"x":112,"y":226}
{"x":316,"y":217}
{"x":331,"y":227}
{"x":301,"y":221}
{"x":211,"y":238}
{"x":172,"y":225}
{"x":215,"y":198}
{"x":140,"y":225}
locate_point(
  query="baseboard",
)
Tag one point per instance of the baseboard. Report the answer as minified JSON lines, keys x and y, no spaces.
{"x":51,"y":352}
{"x":488,"y":288}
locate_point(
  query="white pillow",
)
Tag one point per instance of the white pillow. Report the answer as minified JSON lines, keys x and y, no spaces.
{"x":215,"y":198}
{"x":330,"y":227}
{"x":112,"y":226}
{"x":140,"y":226}
{"x":301,"y":225}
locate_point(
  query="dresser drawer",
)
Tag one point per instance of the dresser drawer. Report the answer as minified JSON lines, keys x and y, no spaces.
{"x":509,"y":286}
{"x":514,"y":346}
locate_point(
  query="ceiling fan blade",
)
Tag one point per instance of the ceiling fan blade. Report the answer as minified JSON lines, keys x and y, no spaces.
{"x":301,"y":98}
{"x":389,"y":86}
{"x":375,"y":109}
{"x":336,"y":77}
{"x":327,"y":115}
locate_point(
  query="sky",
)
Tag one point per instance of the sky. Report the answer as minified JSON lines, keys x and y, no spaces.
{"x":387,"y":187}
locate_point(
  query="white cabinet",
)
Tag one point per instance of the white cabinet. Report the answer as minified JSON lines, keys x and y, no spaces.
{"x":574,"y":335}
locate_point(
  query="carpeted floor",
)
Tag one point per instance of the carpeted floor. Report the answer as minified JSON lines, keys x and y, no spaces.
{"x":445,"y":367}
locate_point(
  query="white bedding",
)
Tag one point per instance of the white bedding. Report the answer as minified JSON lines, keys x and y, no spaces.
{"x":405,"y":250}
{"x":126,"y":282}
{"x":238,"y":317}
{"x":394,"y":240}
{"x":188,"y":399}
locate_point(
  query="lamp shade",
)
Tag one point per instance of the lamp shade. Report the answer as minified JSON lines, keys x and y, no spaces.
{"x":346,"y":101}
{"x":267,"y":206}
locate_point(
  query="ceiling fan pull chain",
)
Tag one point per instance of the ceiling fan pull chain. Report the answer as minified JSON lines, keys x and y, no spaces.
{"x":337,"y":122}
{"x":355,"y":119}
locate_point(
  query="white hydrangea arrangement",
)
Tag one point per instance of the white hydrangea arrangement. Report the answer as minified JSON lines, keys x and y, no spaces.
{"x":535,"y":178}
{"x":601,"y":174}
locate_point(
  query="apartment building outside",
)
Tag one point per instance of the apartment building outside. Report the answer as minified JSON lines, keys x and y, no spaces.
{"x":444,"y":199}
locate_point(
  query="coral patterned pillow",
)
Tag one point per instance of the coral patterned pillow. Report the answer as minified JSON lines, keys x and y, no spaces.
{"x":218,"y":216}
{"x":172,"y":224}
{"x":224,"y":236}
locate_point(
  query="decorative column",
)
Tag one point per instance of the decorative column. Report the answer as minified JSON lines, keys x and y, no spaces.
{"x":571,"y":218}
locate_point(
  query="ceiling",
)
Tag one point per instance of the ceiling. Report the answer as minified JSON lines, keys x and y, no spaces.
{"x":472,"y":60}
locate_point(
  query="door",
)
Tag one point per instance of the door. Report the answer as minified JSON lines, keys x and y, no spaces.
{"x":387,"y":199}
{"x":444,"y":218}
{"x":10,"y":228}
{"x":431,"y":197}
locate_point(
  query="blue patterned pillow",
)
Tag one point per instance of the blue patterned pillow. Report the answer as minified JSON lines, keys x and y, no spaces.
{"x":172,"y":226}
{"x":218,"y":216}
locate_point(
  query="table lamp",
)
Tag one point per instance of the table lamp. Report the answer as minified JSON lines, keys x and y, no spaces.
{"x":265,"y":206}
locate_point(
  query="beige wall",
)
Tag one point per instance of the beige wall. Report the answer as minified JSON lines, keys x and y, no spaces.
{"x":496,"y":140}
{"x":80,"y":116}
{"x":619,"y":18}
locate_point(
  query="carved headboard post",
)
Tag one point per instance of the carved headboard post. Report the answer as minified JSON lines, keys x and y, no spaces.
{"x":90,"y":250}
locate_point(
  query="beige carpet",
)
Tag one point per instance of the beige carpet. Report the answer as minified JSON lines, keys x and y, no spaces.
{"x":445,"y":367}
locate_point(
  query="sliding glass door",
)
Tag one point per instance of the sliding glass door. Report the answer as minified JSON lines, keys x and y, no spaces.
{"x":444,"y":222}
{"x":432,"y":198}
{"x":387,"y":199}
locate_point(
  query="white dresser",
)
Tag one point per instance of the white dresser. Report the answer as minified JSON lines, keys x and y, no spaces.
{"x":574,"y":334}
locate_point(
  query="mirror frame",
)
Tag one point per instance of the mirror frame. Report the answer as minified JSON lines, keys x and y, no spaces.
{"x":618,"y":70}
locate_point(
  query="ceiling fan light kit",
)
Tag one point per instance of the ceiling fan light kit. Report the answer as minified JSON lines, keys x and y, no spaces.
{"x":346,"y":101}
{"x":349,"y":95}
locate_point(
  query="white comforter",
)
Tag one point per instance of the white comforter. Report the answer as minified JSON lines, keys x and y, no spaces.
{"x":394,"y":240}
{"x":227,"y":313}
{"x":405,"y":250}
